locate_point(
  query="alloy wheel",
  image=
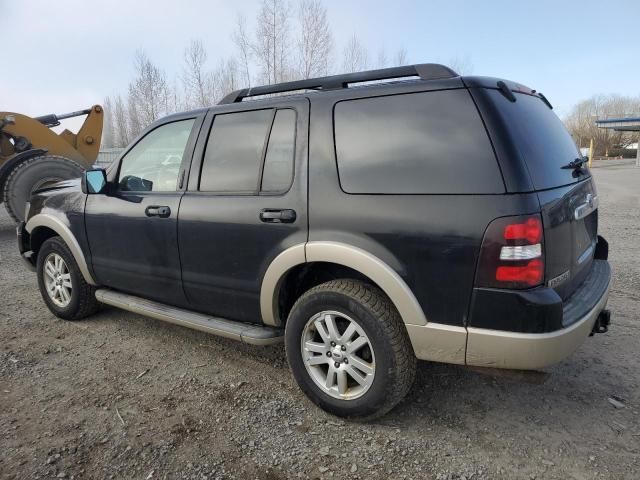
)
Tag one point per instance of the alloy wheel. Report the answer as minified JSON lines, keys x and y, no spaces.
{"x":57,"y":279}
{"x":338,"y":355}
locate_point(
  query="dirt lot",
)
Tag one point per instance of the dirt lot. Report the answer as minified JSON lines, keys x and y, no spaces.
{"x":121,"y":396}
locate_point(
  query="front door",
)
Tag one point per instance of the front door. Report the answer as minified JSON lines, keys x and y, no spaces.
{"x":246,"y":203}
{"x":132,"y":230}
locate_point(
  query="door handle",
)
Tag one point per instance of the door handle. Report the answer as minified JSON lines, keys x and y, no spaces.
{"x":273,"y":215}
{"x":157,"y":211}
{"x":590,"y":204}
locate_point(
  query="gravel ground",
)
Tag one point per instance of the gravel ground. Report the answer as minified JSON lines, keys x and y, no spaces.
{"x":122,"y":396}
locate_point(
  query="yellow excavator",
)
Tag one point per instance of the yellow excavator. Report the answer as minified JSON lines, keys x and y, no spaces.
{"x":32,"y":155}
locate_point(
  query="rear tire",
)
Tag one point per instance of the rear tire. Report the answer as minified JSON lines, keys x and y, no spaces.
{"x":33,"y":174}
{"x":368,"y":334}
{"x":62,"y":286}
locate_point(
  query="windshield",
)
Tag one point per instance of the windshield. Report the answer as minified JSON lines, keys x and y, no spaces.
{"x":541,"y":139}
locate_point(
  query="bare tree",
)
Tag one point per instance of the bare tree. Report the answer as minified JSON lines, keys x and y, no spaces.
{"x":354,"y":56}
{"x":121,"y":121}
{"x":243,"y":43}
{"x":197,"y":81}
{"x":461,"y":65}
{"x":108,"y":133}
{"x":148,"y":92}
{"x":269,"y":51}
{"x":314,"y":41}
{"x":382,"y":61}
{"x":135,"y":123}
{"x":400,"y":58}
{"x":227,"y":78}
{"x":177,"y":101}
{"x":272,"y":33}
{"x":581,"y":122}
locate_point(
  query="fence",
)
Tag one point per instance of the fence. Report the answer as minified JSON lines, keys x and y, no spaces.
{"x":106,"y":156}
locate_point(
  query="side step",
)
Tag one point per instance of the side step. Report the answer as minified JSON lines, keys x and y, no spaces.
{"x":242,"y":332}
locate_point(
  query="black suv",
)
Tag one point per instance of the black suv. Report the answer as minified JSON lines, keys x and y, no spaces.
{"x":366,"y":219}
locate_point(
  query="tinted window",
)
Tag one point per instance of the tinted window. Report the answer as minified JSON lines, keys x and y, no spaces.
{"x":540,"y":137}
{"x":153,"y":164}
{"x":278,"y":162}
{"x":431,"y":142}
{"x":234,"y":151}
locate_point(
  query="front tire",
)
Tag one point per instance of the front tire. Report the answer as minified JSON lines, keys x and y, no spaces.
{"x":33,"y":174}
{"x":348,"y":349}
{"x":62,"y":286}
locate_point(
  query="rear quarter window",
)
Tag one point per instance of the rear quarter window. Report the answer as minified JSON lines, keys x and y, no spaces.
{"x":417,"y":143}
{"x":278,"y":162}
{"x":541,"y":139}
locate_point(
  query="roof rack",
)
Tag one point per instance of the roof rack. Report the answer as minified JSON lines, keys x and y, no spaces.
{"x":425,"y":71}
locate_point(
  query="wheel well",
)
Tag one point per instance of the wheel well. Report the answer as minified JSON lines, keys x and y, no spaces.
{"x":304,"y":277}
{"x":39,"y":236}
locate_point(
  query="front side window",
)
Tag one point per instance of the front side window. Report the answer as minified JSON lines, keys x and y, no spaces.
{"x":153,"y":164}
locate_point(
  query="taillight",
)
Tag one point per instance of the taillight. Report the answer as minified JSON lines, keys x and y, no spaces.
{"x":512,"y":253}
{"x":529,"y":274}
{"x":529,"y":230}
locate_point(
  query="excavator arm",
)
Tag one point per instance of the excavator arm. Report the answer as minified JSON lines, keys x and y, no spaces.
{"x":19,"y":133}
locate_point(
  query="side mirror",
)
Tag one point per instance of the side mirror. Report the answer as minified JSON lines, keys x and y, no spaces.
{"x":94,"y":181}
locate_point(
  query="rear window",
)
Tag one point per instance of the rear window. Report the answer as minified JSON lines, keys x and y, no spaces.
{"x":541,"y":138}
{"x":418,"y":143}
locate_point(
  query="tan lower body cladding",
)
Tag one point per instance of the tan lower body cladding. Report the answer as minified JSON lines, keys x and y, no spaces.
{"x":433,"y":341}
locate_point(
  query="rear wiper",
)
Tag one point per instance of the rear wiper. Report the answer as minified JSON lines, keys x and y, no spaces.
{"x":575,"y":164}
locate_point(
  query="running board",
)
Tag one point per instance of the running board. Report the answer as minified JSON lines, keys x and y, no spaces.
{"x":242,"y":332}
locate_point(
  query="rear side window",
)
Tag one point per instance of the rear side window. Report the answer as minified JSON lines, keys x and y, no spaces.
{"x":233,"y":154}
{"x":278,"y":162}
{"x":235,"y":151}
{"x":541,"y":138}
{"x":418,"y":143}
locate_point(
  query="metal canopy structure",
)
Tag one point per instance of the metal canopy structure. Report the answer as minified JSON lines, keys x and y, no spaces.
{"x":625,"y":124}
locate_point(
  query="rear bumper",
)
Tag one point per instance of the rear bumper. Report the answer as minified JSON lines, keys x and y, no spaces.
{"x":532,"y":351}
{"x":540,"y":309}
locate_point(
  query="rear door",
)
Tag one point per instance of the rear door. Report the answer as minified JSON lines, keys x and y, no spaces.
{"x":567,"y":195}
{"x":246,"y":202}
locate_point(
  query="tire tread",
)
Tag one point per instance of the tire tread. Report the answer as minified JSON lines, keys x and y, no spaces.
{"x":21,"y":167}
{"x":374,"y":299}
{"x":87,"y":303}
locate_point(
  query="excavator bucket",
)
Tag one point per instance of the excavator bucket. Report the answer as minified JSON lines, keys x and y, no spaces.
{"x":32,"y":155}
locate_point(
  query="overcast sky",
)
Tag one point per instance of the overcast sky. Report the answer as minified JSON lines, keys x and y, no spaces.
{"x":60,"y":56}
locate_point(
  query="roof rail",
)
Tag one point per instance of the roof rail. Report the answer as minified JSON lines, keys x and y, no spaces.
{"x":426,"y":71}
